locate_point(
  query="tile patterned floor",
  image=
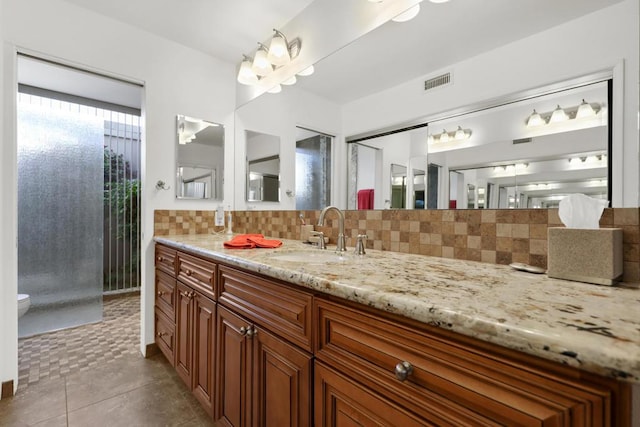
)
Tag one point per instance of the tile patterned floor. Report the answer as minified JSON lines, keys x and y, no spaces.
{"x":94,"y":375}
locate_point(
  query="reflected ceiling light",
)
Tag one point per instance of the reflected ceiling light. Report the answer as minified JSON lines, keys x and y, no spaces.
{"x":408,"y":14}
{"x":307,"y":71}
{"x":535,"y":119}
{"x":444,"y":136}
{"x":430,"y":139}
{"x":261,"y":65}
{"x":558,"y":115}
{"x":585,"y":110}
{"x":246,"y":75}
{"x":290,"y":81}
{"x":460,"y":133}
{"x":278,"y":53}
{"x":275,"y":89}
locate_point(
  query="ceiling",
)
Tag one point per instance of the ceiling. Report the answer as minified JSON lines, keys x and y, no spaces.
{"x":441,"y":35}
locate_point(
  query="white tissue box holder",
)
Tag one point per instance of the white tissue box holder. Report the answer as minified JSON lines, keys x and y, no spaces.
{"x":585,"y":255}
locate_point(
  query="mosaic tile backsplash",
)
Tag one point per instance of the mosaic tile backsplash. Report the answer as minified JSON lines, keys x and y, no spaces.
{"x":492,"y":236}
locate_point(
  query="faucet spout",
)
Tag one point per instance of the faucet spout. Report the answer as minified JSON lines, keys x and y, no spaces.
{"x":342,"y":242}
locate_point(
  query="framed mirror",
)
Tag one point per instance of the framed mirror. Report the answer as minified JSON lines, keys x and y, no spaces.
{"x":263,"y":167}
{"x":199,"y":158}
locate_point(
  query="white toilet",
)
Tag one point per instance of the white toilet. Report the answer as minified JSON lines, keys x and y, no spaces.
{"x":23,"y":304}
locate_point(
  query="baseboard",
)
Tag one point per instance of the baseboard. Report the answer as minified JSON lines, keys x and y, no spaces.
{"x":7,"y":389}
{"x":151,"y":350}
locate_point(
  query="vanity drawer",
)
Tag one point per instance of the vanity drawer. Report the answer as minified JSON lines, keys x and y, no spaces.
{"x":166,"y":259}
{"x":279,"y":308}
{"x":442,"y":376}
{"x":197,"y":273}
{"x":165,"y":336}
{"x":165,"y":299}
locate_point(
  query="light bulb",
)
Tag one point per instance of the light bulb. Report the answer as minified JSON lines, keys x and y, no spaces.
{"x":535,"y":119}
{"x":278,"y":50}
{"x":558,"y":115}
{"x":585,"y":110}
{"x":460,"y":134}
{"x":246,"y":76}
{"x":408,"y":14}
{"x":261,"y":65}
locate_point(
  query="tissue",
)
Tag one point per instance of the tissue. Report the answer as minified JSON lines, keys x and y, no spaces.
{"x":580,"y":211}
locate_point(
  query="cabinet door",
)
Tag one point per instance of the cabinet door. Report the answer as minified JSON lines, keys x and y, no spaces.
{"x":184,"y":327}
{"x":165,"y":336}
{"x":341,"y":402}
{"x":233,"y":369}
{"x":281,"y":382}
{"x":204,"y":311}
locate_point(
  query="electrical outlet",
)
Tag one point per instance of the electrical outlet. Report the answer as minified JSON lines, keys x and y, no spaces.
{"x":219,"y":221}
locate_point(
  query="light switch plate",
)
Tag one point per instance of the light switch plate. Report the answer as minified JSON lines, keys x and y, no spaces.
{"x":219,"y":221}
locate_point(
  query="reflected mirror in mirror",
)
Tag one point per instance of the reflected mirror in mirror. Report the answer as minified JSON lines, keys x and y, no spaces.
{"x":313,"y":169}
{"x":200,"y":158}
{"x":398,"y":186}
{"x":523,"y":155}
{"x":263,"y":167}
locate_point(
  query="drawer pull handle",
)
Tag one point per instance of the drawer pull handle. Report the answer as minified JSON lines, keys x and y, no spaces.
{"x":403,"y":370}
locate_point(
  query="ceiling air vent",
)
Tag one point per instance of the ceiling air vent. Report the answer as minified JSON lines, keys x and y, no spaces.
{"x":522,"y":140}
{"x":435,"y":82}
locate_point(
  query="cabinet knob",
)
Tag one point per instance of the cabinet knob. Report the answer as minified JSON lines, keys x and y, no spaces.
{"x":160,"y":259}
{"x":251,"y":332}
{"x":161,"y":334}
{"x":243,"y":331}
{"x":403,"y":370}
{"x":160,"y":293}
{"x":188,"y":272}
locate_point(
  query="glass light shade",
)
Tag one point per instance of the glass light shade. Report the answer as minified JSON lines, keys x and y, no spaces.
{"x":261,"y":65}
{"x":460,"y":133}
{"x":558,"y":115}
{"x":408,"y":14}
{"x":535,"y":119}
{"x":278,"y":51}
{"x":585,"y":110}
{"x":307,"y":71}
{"x":430,"y":139}
{"x":444,"y":136}
{"x":290,"y":81}
{"x":246,"y":76}
{"x":275,"y":89}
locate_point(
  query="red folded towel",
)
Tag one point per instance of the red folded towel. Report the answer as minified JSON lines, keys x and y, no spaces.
{"x":250,"y":241}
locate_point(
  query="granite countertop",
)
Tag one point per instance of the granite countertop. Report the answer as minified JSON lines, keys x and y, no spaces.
{"x":595,"y":328}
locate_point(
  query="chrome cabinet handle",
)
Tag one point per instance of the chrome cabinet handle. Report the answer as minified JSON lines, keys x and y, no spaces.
{"x":403,"y":370}
{"x":243,"y":331}
{"x":252,"y":332}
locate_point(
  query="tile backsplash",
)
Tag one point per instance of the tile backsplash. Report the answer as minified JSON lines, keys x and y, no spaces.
{"x":493,"y":236}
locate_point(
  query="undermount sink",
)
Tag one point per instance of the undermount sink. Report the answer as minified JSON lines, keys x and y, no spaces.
{"x":311,"y":257}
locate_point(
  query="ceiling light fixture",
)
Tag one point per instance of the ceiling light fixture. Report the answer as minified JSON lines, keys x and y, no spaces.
{"x":278,"y":53}
{"x":444,"y":136}
{"x":585,"y":110}
{"x":460,"y":134}
{"x":535,"y":119}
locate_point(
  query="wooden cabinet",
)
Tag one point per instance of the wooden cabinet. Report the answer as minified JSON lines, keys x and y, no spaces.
{"x":446,"y":379}
{"x":264,"y":379}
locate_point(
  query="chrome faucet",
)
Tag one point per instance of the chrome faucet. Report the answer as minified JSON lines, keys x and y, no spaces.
{"x":342,"y":242}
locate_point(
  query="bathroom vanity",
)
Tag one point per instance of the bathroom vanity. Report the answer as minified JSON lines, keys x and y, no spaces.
{"x":285,"y":337}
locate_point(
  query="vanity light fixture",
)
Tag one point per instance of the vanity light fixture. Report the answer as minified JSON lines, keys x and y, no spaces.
{"x":246,"y":75}
{"x":275,"y":89}
{"x":290,"y":81}
{"x":460,"y":134}
{"x":558,"y":115}
{"x":585,"y":110}
{"x":535,"y":119}
{"x":278,"y":53}
{"x":261,"y":65}
{"x":444,"y":136}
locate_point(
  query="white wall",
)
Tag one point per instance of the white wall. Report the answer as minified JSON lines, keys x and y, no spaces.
{"x":599,"y":41}
{"x":205,"y":88}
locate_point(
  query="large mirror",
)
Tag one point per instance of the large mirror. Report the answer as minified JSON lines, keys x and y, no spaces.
{"x":199,"y":158}
{"x":531,"y":63}
{"x":263,"y":167}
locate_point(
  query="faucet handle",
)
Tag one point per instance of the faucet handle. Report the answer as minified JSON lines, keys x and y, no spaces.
{"x":360,"y":244}
{"x":320,"y":235}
